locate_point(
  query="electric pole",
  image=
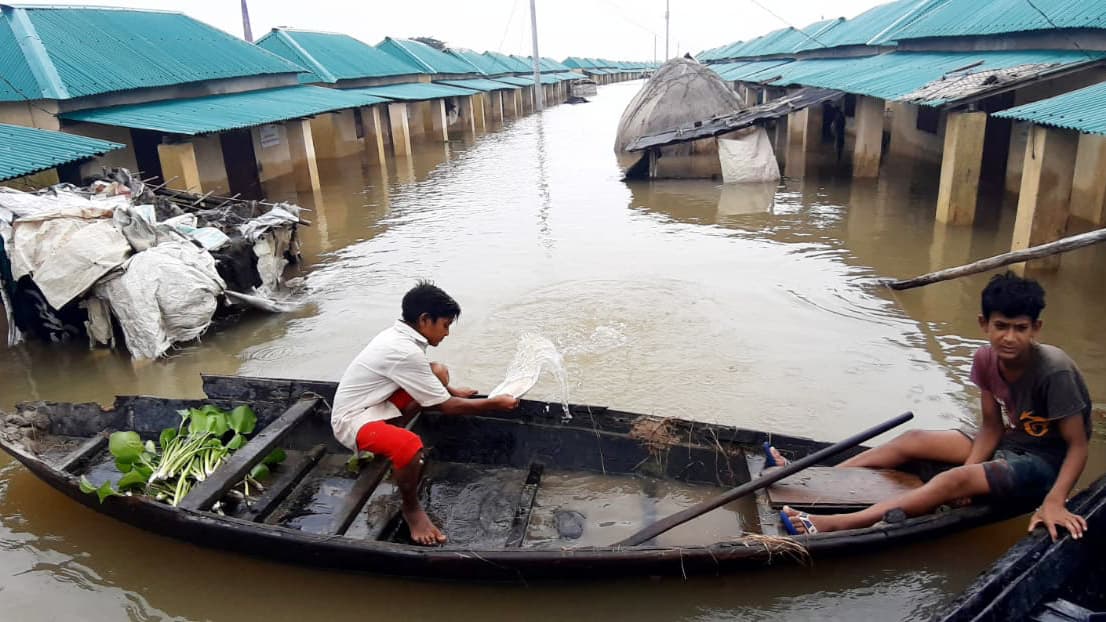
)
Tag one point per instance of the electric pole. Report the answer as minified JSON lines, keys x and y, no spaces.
{"x":539,"y":90}
{"x":666,"y":13}
{"x":246,"y":23}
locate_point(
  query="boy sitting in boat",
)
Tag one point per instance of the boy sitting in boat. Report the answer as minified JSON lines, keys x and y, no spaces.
{"x":393,"y":377}
{"x":1031,"y":445}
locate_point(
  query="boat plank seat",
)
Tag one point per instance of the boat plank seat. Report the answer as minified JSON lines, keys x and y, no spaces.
{"x":525,"y":508}
{"x":83,"y":453}
{"x":289,"y":475}
{"x":1061,"y":610}
{"x":238,"y":465}
{"x":838,"y":488}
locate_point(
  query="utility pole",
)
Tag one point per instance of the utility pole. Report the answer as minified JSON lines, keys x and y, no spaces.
{"x":539,"y":90}
{"x":654,"y":48}
{"x":666,"y":14}
{"x":246,"y":23}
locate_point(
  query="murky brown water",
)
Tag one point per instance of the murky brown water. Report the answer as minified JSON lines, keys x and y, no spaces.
{"x":681,"y":298}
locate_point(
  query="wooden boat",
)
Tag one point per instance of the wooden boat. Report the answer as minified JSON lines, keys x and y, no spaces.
{"x":1038,"y":579}
{"x":525,"y":494}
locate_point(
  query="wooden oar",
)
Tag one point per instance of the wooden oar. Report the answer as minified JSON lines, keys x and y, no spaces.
{"x":788,"y":470}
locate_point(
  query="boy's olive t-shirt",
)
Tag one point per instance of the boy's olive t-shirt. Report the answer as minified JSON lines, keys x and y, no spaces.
{"x":1051,"y":389}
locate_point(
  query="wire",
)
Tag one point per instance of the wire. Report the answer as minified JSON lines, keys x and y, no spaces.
{"x":507,"y":28}
{"x":31,"y":107}
{"x":792,"y":26}
{"x":625,"y":17}
{"x":1051,"y":23}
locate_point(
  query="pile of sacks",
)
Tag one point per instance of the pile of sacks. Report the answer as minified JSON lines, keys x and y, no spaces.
{"x":114,"y":258}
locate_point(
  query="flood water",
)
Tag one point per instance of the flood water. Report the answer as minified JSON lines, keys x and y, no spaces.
{"x":746,"y":306}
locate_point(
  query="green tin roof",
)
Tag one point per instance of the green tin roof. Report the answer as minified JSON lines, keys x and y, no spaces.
{"x":413,"y":91}
{"x":1083,"y":110}
{"x":481,"y":63}
{"x":217,"y":113}
{"x":69,"y":52}
{"x":899,"y":75}
{"x":511,"y":64}
{"x":517,"y":80}
{"x":875,"y":22}
{"x":424,"y":56}
{"x":732,"y":72}
{"x":26,"y":150}
{"x":959,"y":18}
{"x":478,"y":84}
{"x":331,"y":57}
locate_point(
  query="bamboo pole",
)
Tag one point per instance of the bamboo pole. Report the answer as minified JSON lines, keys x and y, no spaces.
{"x":1044,"y":250}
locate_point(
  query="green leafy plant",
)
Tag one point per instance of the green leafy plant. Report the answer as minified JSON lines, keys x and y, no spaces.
{"x":182,"y":457}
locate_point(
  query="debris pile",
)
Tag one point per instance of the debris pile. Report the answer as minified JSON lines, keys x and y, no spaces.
{"x":152,"y":266}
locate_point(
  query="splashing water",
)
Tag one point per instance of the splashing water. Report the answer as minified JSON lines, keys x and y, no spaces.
{"x":534,"y":353}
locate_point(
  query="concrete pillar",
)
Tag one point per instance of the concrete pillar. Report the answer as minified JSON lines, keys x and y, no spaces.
{"x":374,"y":134}
{"x":438,"y":128}
{"x":960,"y":164}
{"x":301,"y":148}
{"x":804,"y":128}
{"x":1088,"y":186}
{"x":480,"y":114}
{"x":179,"y":168}
{"x":416,"y":119}
{"x":750,"y":96}
{"x":399,"y":129}
{"x":1019,"y":133}
{"x":1045,"y":195}
{"x":495,"y":106}
{"x":467,"y":113}
{"x":869,"y":136}
{"x":516,"y":103}
{"x":335,"y":135}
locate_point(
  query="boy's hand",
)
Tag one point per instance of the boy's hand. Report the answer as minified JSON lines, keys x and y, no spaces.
{"x":504,"y":402}
{"x":1053,"y":514}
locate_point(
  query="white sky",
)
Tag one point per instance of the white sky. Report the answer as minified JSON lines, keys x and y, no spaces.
{"x":615,"y":29}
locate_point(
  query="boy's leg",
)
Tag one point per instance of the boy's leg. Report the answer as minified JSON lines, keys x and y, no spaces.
{"x":949,"y":446}
{"x":404,"y":448}
{"x":963,"y":481}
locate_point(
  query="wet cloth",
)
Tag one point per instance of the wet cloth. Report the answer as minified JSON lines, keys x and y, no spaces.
{"x":394,"y":359}
{"x":1050,"y":389}
{"x":1020,"y":476}
{"x":399,"y":445}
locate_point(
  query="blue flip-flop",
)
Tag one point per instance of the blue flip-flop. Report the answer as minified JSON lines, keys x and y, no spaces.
{"x":769,"y":461}
{"x":803,"y":517}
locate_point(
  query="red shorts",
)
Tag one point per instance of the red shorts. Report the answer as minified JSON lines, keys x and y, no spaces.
{"x":400,"y":445}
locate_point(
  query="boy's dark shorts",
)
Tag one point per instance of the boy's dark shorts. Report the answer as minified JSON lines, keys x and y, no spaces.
{"x":1020,"y":476}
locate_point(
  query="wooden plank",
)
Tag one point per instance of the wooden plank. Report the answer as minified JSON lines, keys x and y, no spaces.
{"x":840,"y":487}
{"x":1068,"y":610}
{"x":83,"y":453}
{"x":283,"y":484}
{"x":362,"y":489}
{"x":239,"y":464}
{"x":525,"y":506}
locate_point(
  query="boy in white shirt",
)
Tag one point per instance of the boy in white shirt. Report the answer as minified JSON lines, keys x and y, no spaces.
{"x":392,"y":377}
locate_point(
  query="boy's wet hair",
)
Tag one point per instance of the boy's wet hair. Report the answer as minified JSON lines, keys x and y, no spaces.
{"x":425,"y":297}
{"x":1013,"y":296}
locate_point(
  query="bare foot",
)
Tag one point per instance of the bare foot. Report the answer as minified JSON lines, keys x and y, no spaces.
{"x":423,"y":530}
{"x":777,"y":456}
{"x":822,"y":524}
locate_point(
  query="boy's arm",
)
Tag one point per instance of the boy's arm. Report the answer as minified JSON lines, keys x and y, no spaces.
{"x":1053,"y":513}
{"x":470,"y":406}
{"x":990,"y":430}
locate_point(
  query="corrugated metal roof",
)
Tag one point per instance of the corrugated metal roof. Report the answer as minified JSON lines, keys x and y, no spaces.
{"x":217,"y":113}
{"x":424,"y":56}
{"x":332,"y":57}
{"x":958,"y":18}
{"x":1083,"y":110}
{"x":870,"y":24}
{"x":517,"y":80}
{"x":929,"y":78}
{"x":483,"y":64}
{"x":25,"y":150}
{"x":413,"y":91}
{"x":478,"y":84}
{"x":568,"y":75}
{"x":75,"y":51}
{"x":749,"y":70}
{"x":511,"y":64}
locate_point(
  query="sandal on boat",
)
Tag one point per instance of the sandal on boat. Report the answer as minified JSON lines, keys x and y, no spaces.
{"x":803,"y":517}
{"x":769,"y":460}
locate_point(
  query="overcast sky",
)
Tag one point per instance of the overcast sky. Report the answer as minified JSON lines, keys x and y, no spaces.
{"x":615,"y":29}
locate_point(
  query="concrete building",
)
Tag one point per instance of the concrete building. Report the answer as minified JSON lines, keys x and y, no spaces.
{"x":463,"y":109}
{"x":195,"y":106}
{"x":926,"y":80}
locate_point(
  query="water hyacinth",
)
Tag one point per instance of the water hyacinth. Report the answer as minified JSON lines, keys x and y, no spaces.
{"x":183,"y":456}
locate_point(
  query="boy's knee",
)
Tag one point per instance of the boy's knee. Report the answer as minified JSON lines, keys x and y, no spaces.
{"x":441,"y":371}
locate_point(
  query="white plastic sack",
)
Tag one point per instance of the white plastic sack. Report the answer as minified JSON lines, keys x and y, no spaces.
{"x":165,"y":295}
{"x":748,"y":158}
{"x":26,"y":206}
{"x":281,"y":215}
{"x":270,"y":248}
{"x":66,"y":256}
